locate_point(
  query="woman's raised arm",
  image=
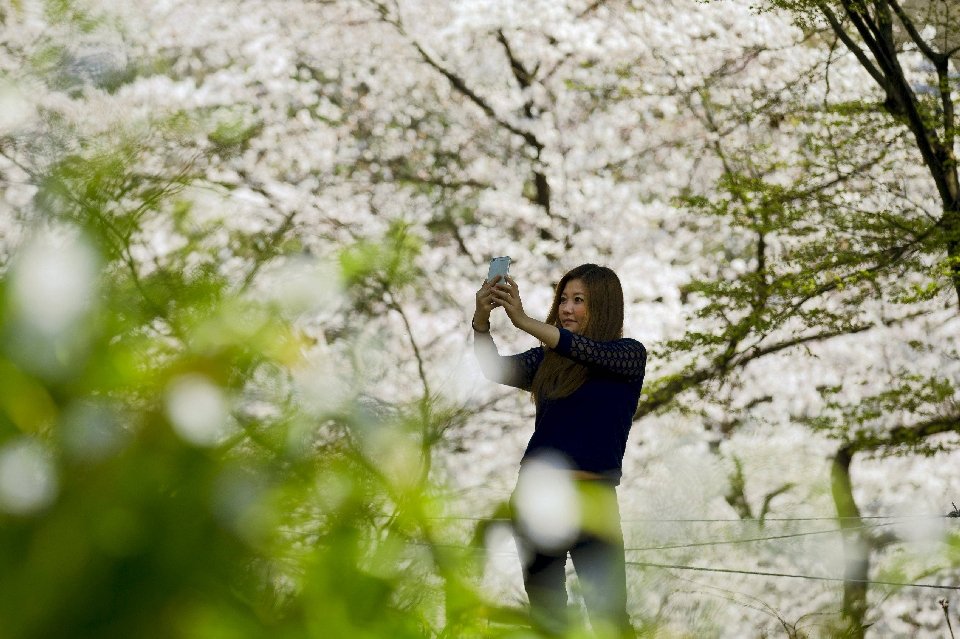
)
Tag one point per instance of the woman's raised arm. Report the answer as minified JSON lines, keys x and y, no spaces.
{"x":513,"y":370}
{"x":624,"y":357}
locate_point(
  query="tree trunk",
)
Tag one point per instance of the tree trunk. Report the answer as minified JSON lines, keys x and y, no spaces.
{"x":855,"y":547}
{"x":951,"y":225}
{"x":879,"y":56}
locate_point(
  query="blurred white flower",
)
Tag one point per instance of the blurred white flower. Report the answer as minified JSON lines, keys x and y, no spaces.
{"x":15,"y":109}
{"x":302,"y":284}
{"x":197,"y":409}
{"x":28,"y":479}
{"x":54,"y":282}
{"x":91,"y":430}
{"x":548,"y":508}
{"x":500,"y":547}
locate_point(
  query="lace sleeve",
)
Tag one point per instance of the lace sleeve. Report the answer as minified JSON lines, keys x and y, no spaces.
{"x":625,"y":358}
{"x":513,"y":370}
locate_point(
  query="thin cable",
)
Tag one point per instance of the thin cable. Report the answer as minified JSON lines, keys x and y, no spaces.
{"x":734,"y":571}
{"x":724,"y":542}
{"x":698,"y":544}
{"x":729,"y":520}
{"x":766,"y":519}
{"x":647,"y":564}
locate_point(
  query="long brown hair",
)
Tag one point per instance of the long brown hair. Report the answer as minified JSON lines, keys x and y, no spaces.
{"x":559,"y":376}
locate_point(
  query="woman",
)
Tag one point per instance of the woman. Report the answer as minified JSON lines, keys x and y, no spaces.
{"x":585,"y":381}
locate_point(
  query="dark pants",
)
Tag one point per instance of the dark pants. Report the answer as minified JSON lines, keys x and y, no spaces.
{"x":597,"y":554}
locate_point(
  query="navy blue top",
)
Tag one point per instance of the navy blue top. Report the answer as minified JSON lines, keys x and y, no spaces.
{"x":590,"y":425}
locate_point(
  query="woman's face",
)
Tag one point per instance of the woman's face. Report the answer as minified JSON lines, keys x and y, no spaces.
{"x":573,"y":306}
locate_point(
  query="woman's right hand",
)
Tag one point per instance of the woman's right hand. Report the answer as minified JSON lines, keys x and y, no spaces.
{"x":485,"y":303}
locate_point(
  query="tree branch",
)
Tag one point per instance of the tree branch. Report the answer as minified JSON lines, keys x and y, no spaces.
{"x":272,"y":240}
{"x":524,"y":79}
{"x":851,"y":45}
{"x":905,"y":435}
{"x":901,"y":100}
{"x":460,"y":85}
{"x":727,"y":361}
{"x":393,"y":305}
{"x":946,"y":100}
{"x":914,"y":34}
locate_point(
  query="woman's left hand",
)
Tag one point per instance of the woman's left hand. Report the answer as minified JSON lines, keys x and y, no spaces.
{"x":507,"y":294}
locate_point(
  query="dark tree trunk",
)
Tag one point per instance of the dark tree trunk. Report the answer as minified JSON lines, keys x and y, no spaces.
{"x":951,"y":227}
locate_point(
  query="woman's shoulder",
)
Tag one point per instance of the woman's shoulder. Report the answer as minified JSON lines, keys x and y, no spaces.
{"x":534,"y":354}
{"x":618,"y":347}
{"x":617,"y":342}
{"x":628,"y":342}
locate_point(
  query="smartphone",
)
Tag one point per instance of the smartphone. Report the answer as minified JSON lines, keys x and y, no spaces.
{"x":498,"y":266}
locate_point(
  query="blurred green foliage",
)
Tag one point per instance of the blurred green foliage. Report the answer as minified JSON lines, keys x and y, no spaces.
{"x":164,"y":469}
{"x":161,"y":474}
{"x":382,"y":261}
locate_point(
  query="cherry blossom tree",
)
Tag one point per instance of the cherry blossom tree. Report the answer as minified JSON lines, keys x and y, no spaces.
{"x":357,"y":162}
{"x":905,"y":53}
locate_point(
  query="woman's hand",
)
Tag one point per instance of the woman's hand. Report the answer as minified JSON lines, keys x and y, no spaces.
{"x":485,"y":304}
{"x":506,"y":293}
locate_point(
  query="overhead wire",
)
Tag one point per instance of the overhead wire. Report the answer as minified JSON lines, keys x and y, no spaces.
{"x":743,"y":520}
{"x":736,"y":571}
{"x":724,"y":542}
{"x":872,"y":582}
{"x":896,"y":520}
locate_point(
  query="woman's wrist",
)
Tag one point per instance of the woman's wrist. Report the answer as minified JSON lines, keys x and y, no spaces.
{"x":480,"y":325}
